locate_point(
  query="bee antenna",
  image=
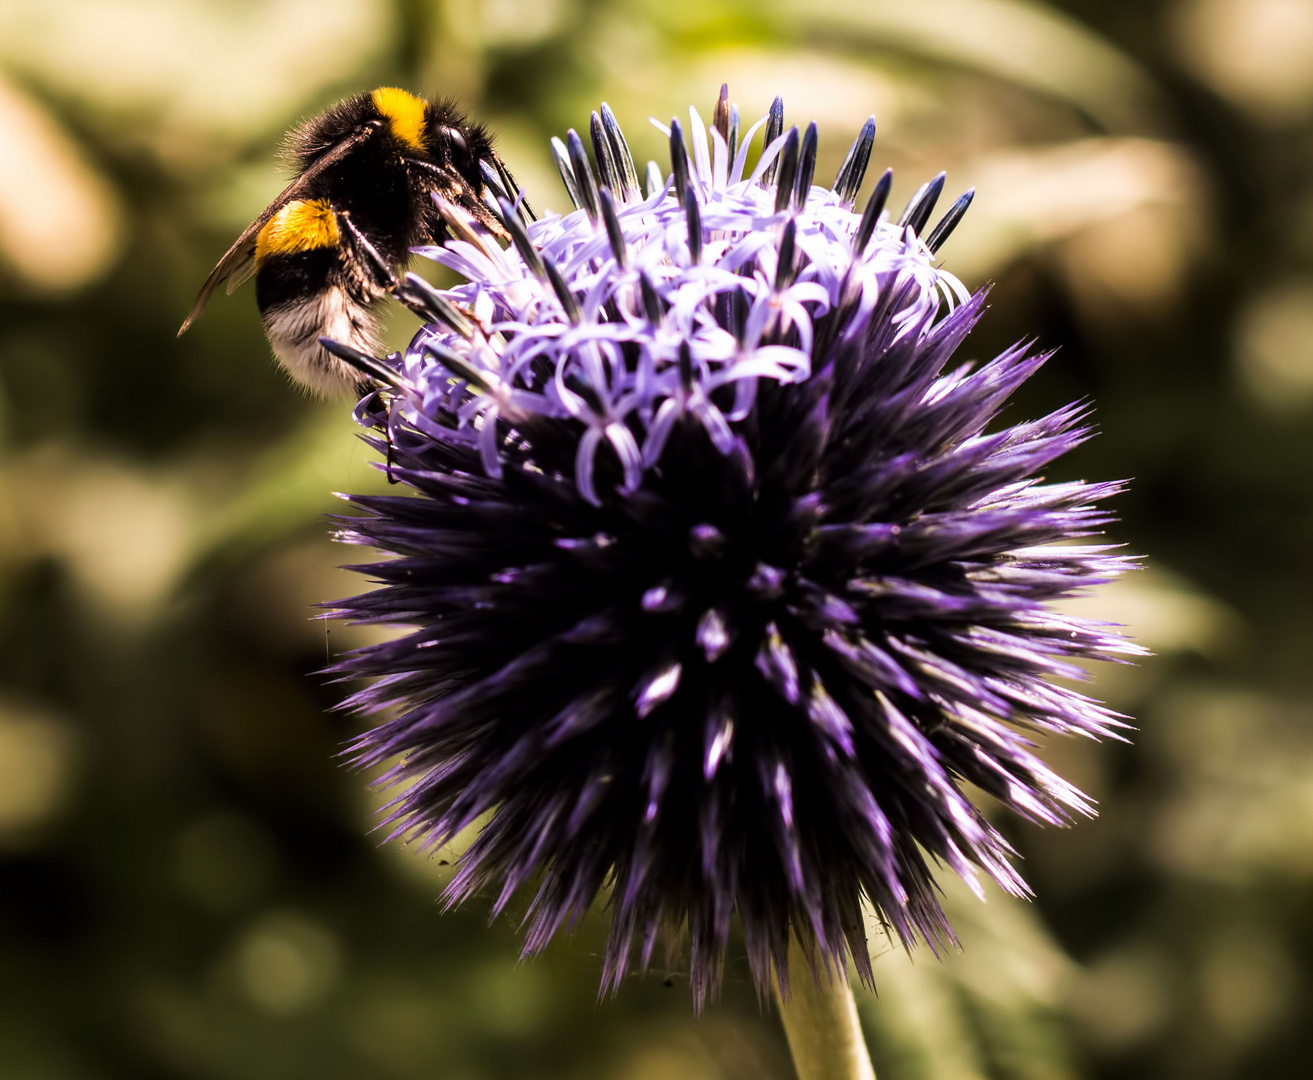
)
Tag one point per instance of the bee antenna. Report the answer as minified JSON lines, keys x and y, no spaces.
{"x":501,"y":182}
{"x":521,"y":202}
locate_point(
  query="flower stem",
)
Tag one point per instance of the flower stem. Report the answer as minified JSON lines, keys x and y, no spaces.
{"x":820,"y":1021}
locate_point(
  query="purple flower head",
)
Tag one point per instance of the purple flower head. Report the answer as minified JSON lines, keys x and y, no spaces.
{"x":721,"y":583}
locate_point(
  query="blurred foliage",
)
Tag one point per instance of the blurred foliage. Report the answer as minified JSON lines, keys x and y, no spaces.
{"x":188,"y":884}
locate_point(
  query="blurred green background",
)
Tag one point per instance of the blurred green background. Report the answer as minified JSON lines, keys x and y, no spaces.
{"x":188,"y":886}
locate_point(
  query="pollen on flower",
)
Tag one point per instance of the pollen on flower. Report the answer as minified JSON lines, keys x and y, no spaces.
{"x":722,"y":585}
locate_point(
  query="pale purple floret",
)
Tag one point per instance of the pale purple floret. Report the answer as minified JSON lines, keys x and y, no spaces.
{"x":721,"y":583}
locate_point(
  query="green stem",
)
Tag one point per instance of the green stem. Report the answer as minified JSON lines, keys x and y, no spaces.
{"x":820,"y":1021}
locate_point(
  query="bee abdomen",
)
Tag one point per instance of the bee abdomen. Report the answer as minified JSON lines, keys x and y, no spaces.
{"x":295,"y":324}
{"x":307,"y":286}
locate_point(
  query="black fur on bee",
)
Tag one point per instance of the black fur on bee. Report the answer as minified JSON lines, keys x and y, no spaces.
{"x":328,"y":250}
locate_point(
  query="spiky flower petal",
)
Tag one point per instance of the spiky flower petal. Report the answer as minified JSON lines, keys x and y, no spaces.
{"x":721,"y":585}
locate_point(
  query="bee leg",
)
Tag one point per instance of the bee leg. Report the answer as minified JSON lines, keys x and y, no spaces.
{"x":451,"y":189}
{"x":485,"y":216}
{"x":378,"y":419}
{"x":380,"y":270}
{"x":391,"y":479}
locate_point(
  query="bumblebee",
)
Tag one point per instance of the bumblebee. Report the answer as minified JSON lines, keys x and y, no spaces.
{"x":329,"y":248}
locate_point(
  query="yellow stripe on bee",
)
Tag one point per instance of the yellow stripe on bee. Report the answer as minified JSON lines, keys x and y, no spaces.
{"x":405,"y":112}
{"x":301,"y":225}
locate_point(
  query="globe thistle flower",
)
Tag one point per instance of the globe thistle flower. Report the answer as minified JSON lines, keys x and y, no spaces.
{"x":721,"y":585}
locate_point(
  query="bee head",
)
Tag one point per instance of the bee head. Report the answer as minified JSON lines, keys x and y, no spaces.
{"x":404,"y":116}
{"x":452,"y":142}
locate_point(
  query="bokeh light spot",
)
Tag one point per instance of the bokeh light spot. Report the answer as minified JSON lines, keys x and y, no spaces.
{"x":61,"y":225}
{"x":1257,"y":53}
{"x":288,"y":963}
{"x":1274,"y":346}
{"x":38,"y":757}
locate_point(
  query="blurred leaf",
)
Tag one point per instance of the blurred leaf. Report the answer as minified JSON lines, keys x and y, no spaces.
{"x":992,"y":1010}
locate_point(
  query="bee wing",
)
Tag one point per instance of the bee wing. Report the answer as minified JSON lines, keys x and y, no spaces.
{"x":241,"y":271}
{"x":238,"y":263}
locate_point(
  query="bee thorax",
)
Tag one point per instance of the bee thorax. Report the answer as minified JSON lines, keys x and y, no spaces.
{"x":294,"y":328}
